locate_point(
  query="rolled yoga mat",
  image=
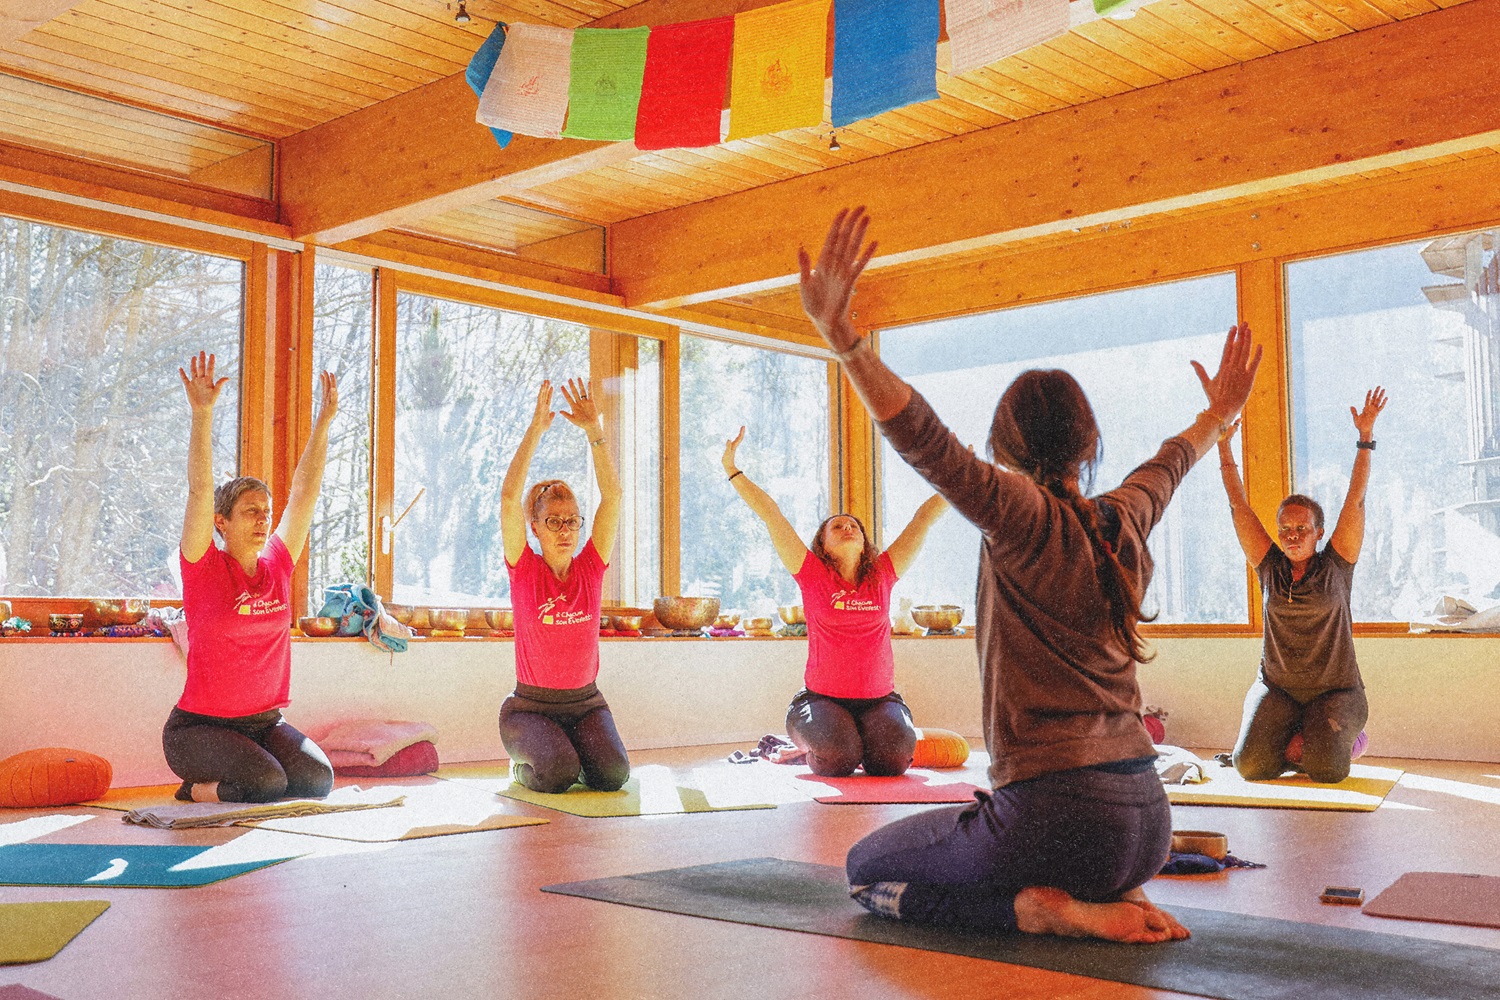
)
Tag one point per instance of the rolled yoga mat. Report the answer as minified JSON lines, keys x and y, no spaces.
{"x":1230,"y":956}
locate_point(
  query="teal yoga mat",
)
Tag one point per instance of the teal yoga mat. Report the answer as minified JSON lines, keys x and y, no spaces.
{"x":1230,"y":956}
{"x":106,"y":865}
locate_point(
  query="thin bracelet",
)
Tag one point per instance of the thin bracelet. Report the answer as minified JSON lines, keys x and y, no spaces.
{"x":737,"y":472}
{"x":1224,"y":426}
{"x":848,"y":353}
{"x":594,"y":441}
{"x":1367,"y":445}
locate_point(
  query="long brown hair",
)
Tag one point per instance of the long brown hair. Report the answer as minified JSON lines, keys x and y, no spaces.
{"x":867,"y":555}
{"x":1044,"y":428}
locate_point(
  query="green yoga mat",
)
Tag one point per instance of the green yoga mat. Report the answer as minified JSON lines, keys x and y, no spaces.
{"x":1230,"y":956}
{"x":113,"y":865}
{"x":651,"y":791}
{"x":34,"y":932}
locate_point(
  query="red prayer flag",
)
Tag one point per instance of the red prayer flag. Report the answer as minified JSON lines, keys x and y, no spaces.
{"x":687,"y":74}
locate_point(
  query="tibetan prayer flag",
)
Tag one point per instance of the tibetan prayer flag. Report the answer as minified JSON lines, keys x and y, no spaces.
{"x":687,"y":74}
{"x":884,"y":56}
{"x":480,"y":68}
{"x":528,"y":90}
{"x":777,"y":77}
{"x":604,"y":85}
{"x":984,"y":31}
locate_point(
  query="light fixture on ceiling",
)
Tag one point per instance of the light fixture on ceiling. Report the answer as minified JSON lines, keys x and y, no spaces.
{"x":833,"y":141}
{"x":462,"y":17}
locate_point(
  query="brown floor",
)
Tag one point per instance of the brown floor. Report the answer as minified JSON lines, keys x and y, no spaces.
{"x":460,"y":916}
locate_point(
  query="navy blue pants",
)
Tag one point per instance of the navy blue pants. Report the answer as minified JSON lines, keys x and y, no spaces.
{"x":1092,"y":833}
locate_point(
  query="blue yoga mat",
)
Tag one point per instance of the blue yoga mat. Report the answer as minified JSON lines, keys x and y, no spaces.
{"x":104,"y":865}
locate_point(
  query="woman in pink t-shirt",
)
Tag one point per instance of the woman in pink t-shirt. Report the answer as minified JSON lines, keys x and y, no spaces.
{"x":226,"y":739}
{"x":556,"y":726}
{"x":848,"y":713}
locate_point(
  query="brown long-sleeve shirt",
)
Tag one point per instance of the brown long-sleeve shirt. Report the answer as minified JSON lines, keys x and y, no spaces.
{"x":1059,"y":691}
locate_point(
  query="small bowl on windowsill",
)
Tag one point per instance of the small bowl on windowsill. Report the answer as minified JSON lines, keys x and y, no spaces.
{"x":449,"y":620}
{"x":65,"y":622}
{"x":318,"y":627}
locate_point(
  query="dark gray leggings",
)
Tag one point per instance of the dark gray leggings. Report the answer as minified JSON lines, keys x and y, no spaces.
{"x":1330,"y":722}
{"x":553,"y":736}
{"x":254,"y":758}
{"x":839,"y":734}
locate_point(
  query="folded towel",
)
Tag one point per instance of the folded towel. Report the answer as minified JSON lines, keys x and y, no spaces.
{"x":200,"y":814}
{"x":1176,"y":766}
{"x":370,"y":742}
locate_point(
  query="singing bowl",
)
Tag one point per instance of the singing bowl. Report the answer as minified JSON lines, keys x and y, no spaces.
{"x":400,"y":612}
{"x":65,"y":623}
{"x":683,"y":613}
{"x":127,"y":611}
{"x":758,"y":624}
{"x":448,"y":619}
{"x":503,"y":619}
{"x":319,"y":627}
{"x":792,"y":614}
{"x":628,"y":623}
{"x":729,"y":620}
{"x":942,"y":617}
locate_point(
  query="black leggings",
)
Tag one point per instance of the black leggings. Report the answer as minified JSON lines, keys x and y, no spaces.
{"x":1330,"y":721}
{"x":555,"y":737}
{"x":839,"y":734}
{"x":254,"y":758}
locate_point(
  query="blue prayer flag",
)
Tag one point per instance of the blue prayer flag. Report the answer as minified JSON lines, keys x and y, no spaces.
{"x":480,"y":68}
{"x":884,"y":56}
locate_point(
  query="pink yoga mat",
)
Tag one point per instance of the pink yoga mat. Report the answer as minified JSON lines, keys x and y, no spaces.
{"x":1443,"y":897}
{"x":909,"y":787}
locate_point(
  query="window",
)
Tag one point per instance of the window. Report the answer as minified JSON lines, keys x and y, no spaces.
{"x":93,"y":420}
{"x":339,"y":542}
{"x":1129,"y":350}
{"x":634,"y":390}
{"x":1419,"y":319}
{"x":782,"y":400}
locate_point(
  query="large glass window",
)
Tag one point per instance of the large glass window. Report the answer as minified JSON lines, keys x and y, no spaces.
{"x":1421,"y":320}
{"x":1129,"y":350}
{"x":635,"y":392}
{"x":782,"y":401}
{"x":93,"y":420}
{"x":343,"y":331}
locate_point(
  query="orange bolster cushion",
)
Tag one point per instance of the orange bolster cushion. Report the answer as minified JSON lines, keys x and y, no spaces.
{"x":940,"y":748}
{"x":52,"y":776}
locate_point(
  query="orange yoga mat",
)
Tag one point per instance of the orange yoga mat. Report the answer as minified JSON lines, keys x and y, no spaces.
{"x":1442,"y":897}
{"x":913,"y":786}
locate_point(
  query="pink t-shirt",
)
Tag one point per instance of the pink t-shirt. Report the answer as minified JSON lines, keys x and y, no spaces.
{"x":848,"y":630}
{"x":557,"y":622}
{"x":240,"y":646}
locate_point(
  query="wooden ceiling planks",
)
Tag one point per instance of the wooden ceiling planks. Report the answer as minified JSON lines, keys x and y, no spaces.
{"x":497,"y":224}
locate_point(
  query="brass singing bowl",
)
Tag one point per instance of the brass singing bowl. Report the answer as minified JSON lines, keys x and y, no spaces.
{"x":400,"y":612}
{"x":448,"y":619}
{"x":684,"y":613}
{"x":792,"y":614}
{"x":941,"y":617}
{"x":727,"y":621}
{"x":127,"y":611}
{"x":628,"y":623}
{"x":319,"y":627}
{"x":758,"y":624}
{"x":501,"y":619}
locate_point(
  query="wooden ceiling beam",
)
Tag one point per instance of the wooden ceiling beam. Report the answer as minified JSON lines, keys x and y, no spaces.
{"x":17,"y":17}
{"x":1383,"y":97}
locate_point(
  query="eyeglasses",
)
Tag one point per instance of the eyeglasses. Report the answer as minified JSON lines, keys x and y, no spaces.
{"x":1294,"y":530}
{"x":555,"y":523}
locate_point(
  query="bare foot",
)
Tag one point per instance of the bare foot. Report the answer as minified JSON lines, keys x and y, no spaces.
{"x":1045,"y":910}
{"x":1156,"y":916}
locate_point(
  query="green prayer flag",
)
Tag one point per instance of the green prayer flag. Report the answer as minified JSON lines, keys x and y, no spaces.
{"x":604,"y":88}
{"x":1102,"y":7}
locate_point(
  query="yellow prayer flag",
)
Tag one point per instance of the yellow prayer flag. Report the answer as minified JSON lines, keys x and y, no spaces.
{"x":777,"y":77}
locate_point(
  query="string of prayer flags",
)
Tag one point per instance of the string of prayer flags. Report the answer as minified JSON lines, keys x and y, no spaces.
{"x":528,"y":90}
{"x":480,"y":68}
{"x":604,"y":85}
{"x":687,"y":75}
{"x":776,"y":79}
{"x":884,"y":56}
{"x":983,"y":31}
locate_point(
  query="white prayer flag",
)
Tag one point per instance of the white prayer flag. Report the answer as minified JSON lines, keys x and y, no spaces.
{"x":984,"y":31}
{"x":528,"y":90}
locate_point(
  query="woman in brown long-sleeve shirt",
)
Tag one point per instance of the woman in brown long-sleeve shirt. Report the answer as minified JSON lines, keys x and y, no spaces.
{"x":1077,"y":821}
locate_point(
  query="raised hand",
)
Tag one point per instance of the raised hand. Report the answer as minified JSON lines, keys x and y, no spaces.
{"x":1364,"y":420}
{"x":541,"y":418}
{"x":828,"y":288}
{"x":1229,"y":388}
{"x":202,"y":388}
{"x":330,"y":407}
{"x":581,"y":410}
{"x":730,"y":447}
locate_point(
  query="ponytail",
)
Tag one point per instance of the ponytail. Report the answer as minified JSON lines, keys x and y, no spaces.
{"x":1121,"y":591}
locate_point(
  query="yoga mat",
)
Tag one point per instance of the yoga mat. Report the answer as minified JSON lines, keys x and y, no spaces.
{"x":1230,"y":956}
{"x":651,"y":791}
{"x":15,"y":991}
{"x":34,"y":932}
{"x":915,"y":785}
{"x":140,"y":797}
{"x":112,"y":865}
{"x":429,"y":810}
{"x":1442,"y":897}
{"x":1363,"y":791}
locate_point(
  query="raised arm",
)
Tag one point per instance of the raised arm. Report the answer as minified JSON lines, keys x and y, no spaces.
{"x":903,"y":551}
{"x":1255,"y":541}
{"x":584,"y":414}
{"x":827,"y":291}
{"x":307,"y":481}
{"x":1349,"y":533}
{"x":202,"y":392}
{"x":1227,"y":390}
{"x":513,"y":489}
{"x":789,"y":546}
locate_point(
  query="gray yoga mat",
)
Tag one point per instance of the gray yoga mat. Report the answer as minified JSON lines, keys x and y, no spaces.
{"x":1230,"y":956}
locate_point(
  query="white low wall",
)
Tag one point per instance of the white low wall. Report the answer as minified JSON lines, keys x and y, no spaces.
{"x":1430,"y":697}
